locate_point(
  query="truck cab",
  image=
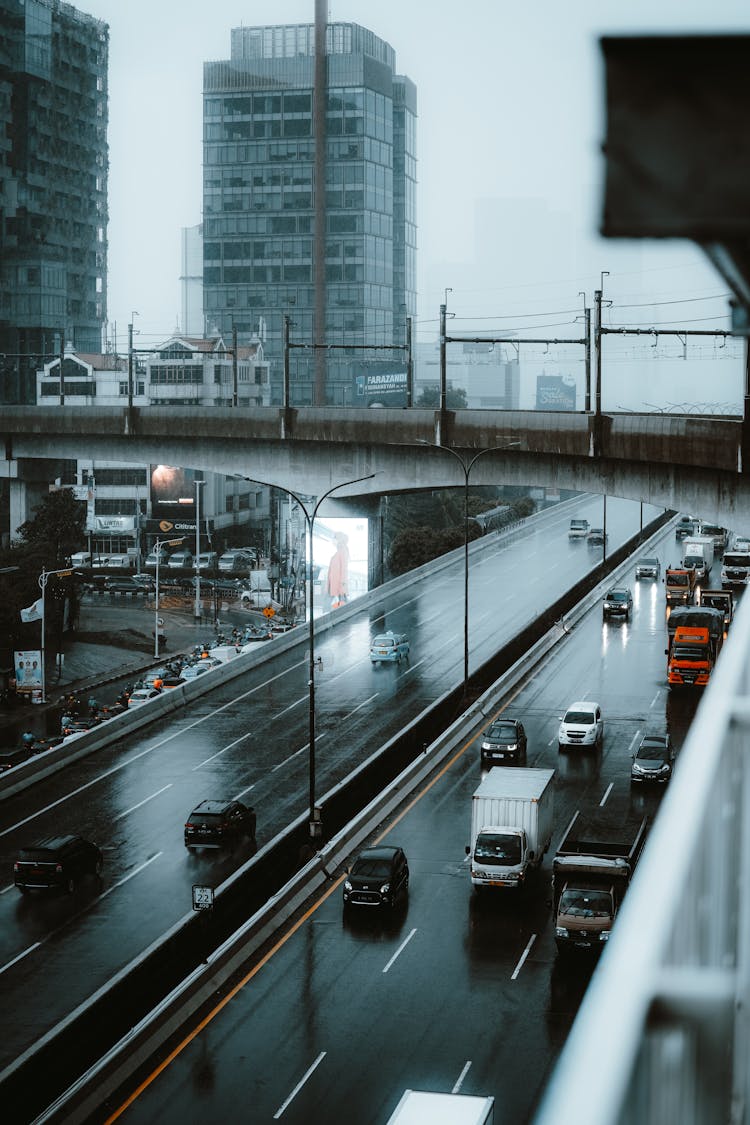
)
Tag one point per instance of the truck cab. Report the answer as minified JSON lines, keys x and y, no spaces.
{"x":680,"y":586}
{"x":578,"y":529}
{"x":691,"y":659}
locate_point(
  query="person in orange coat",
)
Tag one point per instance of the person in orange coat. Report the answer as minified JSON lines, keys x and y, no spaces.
{"x":337,"y":583}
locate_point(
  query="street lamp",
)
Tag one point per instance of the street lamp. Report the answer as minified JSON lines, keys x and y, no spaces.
{"x":197,"y":611}
{"x":467,"y":466}
{"x":157,"y":548}
{"x":315,"y":825}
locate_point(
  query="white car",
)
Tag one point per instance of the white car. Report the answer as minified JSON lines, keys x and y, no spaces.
{"x":581,"y":725}
{"x":142,"y":695}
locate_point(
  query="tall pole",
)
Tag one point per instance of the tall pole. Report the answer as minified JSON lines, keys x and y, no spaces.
{"x":130,"y":366}
{"x":320,"y":94}
{"x":443,"y":374}
{"x":43,"y":585}
{"x":62,"y":373}
{"x":157,"y":548}
{"x":197,"y":611}
{"x":409,"y":365}
{"x":285,"y":387}
{"x":235,"y":369}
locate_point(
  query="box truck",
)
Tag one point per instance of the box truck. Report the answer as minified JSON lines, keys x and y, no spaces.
{"x":511,"y":825}
{"x":698,"y":555}
{"x":420,"y":1107}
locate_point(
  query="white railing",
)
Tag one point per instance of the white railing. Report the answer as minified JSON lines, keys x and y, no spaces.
{"x":662,"y":1036}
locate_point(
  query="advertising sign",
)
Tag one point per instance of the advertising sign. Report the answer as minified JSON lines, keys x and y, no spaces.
{"x":171,"y":488}
{"x":114,"y":523}
{"x":381,"y":385}
{"x":28,"y":670}
{"x":555,"y":392}
{"x":170,"y":527}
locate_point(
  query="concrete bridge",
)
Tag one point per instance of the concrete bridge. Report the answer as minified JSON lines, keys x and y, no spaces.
{"x":685,"y":462}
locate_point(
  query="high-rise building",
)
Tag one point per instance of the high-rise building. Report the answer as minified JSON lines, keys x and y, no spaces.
{"x":53,"y":186}
{"x":272,"y":247}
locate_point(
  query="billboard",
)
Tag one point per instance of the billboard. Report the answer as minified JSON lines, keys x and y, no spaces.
{"x":171,"y":490}
{"x":28,"y":669}
{"x":381,"y":385}
{"x":555,"y":392}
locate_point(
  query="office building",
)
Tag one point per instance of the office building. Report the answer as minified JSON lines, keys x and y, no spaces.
{"x":261,"y":253}
{"x":53,"y":186}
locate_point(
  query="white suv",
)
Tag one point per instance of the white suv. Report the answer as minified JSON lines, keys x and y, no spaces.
{"x":581,"y":725}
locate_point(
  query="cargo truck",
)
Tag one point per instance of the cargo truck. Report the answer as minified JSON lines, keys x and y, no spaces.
{"x":591,"y":872}
{"x":511,"y":825}
{"x":692,"y":657}
{"x":687,"y":621}
{"x":420,"y":1107}
{"x":680,"y":585}
{"x":698,"y":555}
{"x":721,"y":600}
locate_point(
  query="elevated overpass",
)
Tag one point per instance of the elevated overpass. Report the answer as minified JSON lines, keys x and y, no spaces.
{"x":672,"y":461}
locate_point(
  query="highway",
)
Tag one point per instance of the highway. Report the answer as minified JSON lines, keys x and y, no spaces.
{"x":248,"y":739}
{"x":342,"y":1015}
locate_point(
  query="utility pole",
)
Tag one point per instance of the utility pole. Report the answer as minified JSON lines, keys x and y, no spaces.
{"x":285,"y":387}
{"x":130,"y":366}
{"x":62,"y":375}
{"x":235,"y":376}
{"x":409,"y":365}
{"x":320,"y":93}
{"x":443,"y":381}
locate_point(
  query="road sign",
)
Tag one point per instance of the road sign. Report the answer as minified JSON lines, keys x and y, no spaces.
{"x":203,"y":897}
{"x":269,"y":611}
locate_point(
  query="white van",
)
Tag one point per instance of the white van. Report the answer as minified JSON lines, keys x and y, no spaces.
{"x":235,"y":563}
{"x":180,"y":560}
{"x":81,"y":558}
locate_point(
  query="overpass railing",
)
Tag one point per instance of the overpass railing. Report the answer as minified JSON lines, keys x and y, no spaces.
{"x":662,"y":1034}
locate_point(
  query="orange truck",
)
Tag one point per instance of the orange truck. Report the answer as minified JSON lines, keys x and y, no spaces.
{"x":692,"y":656}
{"x":680,"y":585}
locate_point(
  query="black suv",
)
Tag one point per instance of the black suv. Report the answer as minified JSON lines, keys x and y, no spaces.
{"x":505,"y":738}
{"x":60,"y":861}
{"x":378,"y":877}
{"x":214,"y":824}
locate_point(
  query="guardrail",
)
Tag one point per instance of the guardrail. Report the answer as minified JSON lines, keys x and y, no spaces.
{"x":353,"y":809}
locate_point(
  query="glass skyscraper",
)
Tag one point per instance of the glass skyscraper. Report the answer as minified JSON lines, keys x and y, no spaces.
{"x":53,"y":186}
{"x":260,"y":263}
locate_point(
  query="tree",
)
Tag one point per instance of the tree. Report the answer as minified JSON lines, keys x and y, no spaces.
{"x":455,"y":397}
{"x":57,"y":528}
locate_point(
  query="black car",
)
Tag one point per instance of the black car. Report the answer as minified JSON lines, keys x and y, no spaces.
{"x":596,"y":537}
{"x":379,"y":876}
{"x":505,"y":740}
{"x":618,"y":602}
{"x":653,"y":760}
{"x":126,"y":584}
{"x":216,"y":824}
{"x":60,"y":861}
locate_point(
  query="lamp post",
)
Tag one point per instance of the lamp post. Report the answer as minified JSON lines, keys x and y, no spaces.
{"x":466,"y":467}
{"x":197,"y":611}
{"x":315,"y":826}
{"x":157,"y":548}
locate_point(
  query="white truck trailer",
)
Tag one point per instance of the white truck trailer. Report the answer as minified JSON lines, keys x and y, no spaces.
{"x":511,"y":825}
{"x":418,"y":1107}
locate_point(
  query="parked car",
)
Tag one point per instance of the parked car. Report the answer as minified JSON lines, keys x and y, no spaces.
{"x":80,"y":559}
{"x":58,"y":862}
{"x":126,"y":584}
{"x":142,"y":695}
{"x":121,"y":562}
{"x":653,"y":760}
{"x":505,"y":740}
{"x":618,"y":602}
{"x":217,"y":824}
{"x":379,"y":876}
{"x":389,"y":646}
{"x":180,"y":560}
{"x":206,"y":560}
{"x":100,"y":562}
{"x":648,"y":568}
{"x":151,"y":559}
{"x":235,"y":563}
{"x":581,"y":725}
{"x":597,"y":537}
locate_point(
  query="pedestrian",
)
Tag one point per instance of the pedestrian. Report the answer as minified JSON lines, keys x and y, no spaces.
{"x":93,"y":707}
{"x":65,"y":722}
{"x":28,"y":738}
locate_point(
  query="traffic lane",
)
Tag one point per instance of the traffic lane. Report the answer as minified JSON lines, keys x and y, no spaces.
{"x":496,"y":952}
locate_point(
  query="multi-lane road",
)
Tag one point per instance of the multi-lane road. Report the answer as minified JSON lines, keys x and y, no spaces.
{"x":454,"y":991}
{"x":248,"y":739}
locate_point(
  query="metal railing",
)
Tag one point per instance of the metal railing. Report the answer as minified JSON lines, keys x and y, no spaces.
{"x":662,"y":1034}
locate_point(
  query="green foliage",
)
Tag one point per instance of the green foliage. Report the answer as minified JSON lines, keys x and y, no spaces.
{"x":419,"y":545}
{"x":455,"y":397}
{"x":57,"y":528}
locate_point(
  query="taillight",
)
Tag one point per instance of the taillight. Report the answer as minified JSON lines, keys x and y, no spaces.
{"x":58,"y":869}
{"x":16,"y":866}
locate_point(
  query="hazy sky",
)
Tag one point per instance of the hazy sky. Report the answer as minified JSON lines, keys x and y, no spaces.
{"x":510,"y":124}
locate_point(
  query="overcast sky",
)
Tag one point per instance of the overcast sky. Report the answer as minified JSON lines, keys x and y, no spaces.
{"x":510,"y":124}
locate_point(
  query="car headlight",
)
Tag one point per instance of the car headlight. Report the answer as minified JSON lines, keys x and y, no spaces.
{"x":604,"y":935}
{"x":385,"y":888}
{"x":561,"y":931}
{"x":486,"y":745}
{"x":347,"y":886}
{"x":510,"y":746}
{"x":637,"y":768}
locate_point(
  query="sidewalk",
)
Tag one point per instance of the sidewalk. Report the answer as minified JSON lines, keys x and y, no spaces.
{"x":113,"y":645}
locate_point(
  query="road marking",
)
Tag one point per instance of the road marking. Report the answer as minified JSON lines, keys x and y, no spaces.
{"x":223,"y":750}
{"x":127,"y":878}
{"x":242,"y":792}
{"x":364,"y":703}
{"x":633,"y":741}
{"x":301,"y":750}
{"x":655,"y":700}
{"x":299,"y":1085}
{"x":524,"y":955}
{"x":461,"y":1077}
{"x":291,"y":706}
{"x":400,"y":950}
{"x":143,"y":802}
{"x":607,"y":792}
{"x":20,"y":955}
